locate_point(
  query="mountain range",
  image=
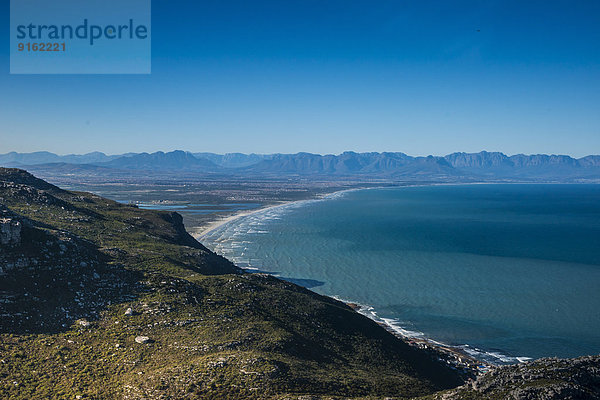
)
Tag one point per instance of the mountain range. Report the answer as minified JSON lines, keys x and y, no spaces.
{"x":482,"y":166}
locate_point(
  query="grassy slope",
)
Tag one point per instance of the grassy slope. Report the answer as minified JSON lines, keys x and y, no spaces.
{"x":215,"y":333}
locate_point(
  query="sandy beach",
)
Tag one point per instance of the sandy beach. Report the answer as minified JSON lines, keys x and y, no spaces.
{"x":199,"y":232}
{"x":211,"y":226}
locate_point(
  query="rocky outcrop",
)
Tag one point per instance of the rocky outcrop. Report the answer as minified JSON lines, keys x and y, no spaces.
{"x":544,"y":379}
{"x":10,"y":232}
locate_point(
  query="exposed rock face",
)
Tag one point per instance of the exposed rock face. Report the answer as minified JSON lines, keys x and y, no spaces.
{"x":10,"y":232}
{"x":544,"y":379}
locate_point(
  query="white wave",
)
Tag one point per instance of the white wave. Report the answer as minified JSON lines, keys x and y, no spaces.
{"x":394,"y":324}
{"x":523,"y":359}
{"x":493,"y":357}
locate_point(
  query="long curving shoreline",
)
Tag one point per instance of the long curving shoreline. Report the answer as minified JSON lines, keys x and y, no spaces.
{"x":455,"y":356}
{"x":202,"y":231}
{"x":213,"y":225}
{"x":451,"y":355}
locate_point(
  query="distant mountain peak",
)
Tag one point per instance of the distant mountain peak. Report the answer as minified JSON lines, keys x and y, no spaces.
{"x":174,"y":160}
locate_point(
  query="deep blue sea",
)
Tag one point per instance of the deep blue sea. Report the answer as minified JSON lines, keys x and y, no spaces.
{"x":508,"y":272}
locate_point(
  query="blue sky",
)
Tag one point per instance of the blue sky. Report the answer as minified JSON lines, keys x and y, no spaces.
{"x":422,"y":77}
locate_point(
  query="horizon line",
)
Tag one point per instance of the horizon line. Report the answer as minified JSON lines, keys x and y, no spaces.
{"x":299,"y":152}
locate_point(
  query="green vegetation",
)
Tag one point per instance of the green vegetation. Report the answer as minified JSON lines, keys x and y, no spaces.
{"x":90,"y":276}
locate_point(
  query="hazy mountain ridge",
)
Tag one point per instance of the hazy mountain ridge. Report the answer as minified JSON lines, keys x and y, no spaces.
{"x":44,"y":157}
{"x":174,"y":160}
{"x":387,"y":165}
{"x":234,"y":160}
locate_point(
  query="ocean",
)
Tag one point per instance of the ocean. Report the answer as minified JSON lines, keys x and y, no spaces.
{"x":506,"y":272}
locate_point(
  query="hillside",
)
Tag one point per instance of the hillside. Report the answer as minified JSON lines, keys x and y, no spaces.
{"x":103,"y":300}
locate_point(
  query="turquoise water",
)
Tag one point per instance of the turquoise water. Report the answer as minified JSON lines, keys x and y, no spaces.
{"x":506,"y":271}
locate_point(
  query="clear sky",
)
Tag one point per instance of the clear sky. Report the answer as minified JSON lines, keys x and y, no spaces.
{"x":422,"y":77}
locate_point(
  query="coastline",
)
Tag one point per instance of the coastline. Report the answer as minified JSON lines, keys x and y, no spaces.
{"x":217,"y":223}
{"x":199,"y":232}
{"x":456,"y":356}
